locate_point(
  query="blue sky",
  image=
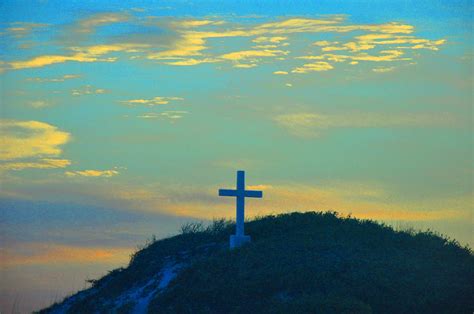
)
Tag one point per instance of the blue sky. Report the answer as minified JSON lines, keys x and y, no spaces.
{"x":120,"y":120}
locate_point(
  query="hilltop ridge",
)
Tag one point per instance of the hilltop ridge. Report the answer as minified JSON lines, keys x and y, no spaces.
{"x":299,"y":262}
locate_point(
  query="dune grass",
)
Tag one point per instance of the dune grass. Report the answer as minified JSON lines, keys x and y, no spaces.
{"x":302,"y":263}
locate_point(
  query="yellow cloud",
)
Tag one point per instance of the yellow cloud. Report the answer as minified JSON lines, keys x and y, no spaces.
{"x":195,"y":23}
{"x":366,"y":42}
{"x":92,"y":173}
{"x":169,"y":115}
{"x":280,"y":73}
{"x":371,"y":41}
{"x":155,"y":101}
{"x":30,"y":139}
{"x":311,"y":124}
{"x":313,"y":67}
{"x":391,"y":39}
{"x":383,"y":69}
{"x":47,"y":254}
{"x":44,"y":163}
{"x":296,"y":25}
{"x":58,"y":79}
{"x":98,"y":50}
{"x":262,"y":187}
{"x":370,"y":200}
{"x":191,"y":47}
{"x":39,"y":104}
{"x":364,"y":201}
{"x":385,"y":34}
{"x":355,"y":46}
{"x":260,"y":47}
{"x":23,"y":29}
{"x":191,"y":61}
{"x":275,"y":39}
{"x":385,"y":56}
{"x":82,"y":54}
{"x":89,"y":24}
{"x":322,"y":43}
{"x":192,"y":43}
{"x":88,"y":90}
{"x":329,"y":25}
{"x":245,"y":65}
{"x":333,"y":48}
{"x":42,"y":61}
{"x":252,"y":54}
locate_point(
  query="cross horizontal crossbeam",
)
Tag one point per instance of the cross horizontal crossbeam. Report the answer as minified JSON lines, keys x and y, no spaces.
{"x":236,"y":193}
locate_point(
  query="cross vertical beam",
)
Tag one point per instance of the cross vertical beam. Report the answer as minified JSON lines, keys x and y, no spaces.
{"x":240,"y":204}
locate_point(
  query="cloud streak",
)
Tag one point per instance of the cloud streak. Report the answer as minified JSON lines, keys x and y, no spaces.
{"x":191,"y":43}
{"x":167,"y":115}
{"x":155,"y":101}
{"x":79,"y":54}
{"x":307,"y":124}
{"x":43,"y":163}
{"x":92,"y":173}
{"x":47,"y":254}
{"x":57,"y":79}
{"x":31,"y":145}
{"x":30,"y":139}
{"x":90,"y":24}
{"x":23,"y":29}
{"x":88,"y":90}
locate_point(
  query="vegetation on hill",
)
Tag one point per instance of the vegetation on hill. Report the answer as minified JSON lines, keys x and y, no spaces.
{"x":300,"y":263}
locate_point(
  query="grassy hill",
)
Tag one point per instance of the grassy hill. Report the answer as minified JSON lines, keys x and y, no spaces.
{"x":296,"y":263}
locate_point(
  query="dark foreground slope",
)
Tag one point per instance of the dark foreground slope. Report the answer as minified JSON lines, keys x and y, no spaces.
{"x":297,"y":263}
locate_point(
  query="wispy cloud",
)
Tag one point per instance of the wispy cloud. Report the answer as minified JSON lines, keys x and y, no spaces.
{"x":273,"y":40}
{"x":39,"y":104}
{"x":56,"y":79}
{"x":321,"y":43}
{"x":383,"y":69}
{"x":92,"y":173}
{"x":88,"y":90}
{"x":362,"y":200}
{"x":168,"y":115}
{"x":27,"y":139}
{"x":192,"y":61}
{"x":23,"y":29}
{"x":84,"y":29}
{"x":359,"y":44}
{"x":47,"y":254}
{"x":43,"y":163}
{"x":190,"y":43}
{"x":155,"y":101}
{"x":306,"y":124}
{"x":371,"y":200}
{"x":383,"y":56}
{"x":31,"y":144}
{"x":90,"y":24}
{"x":195,"y":23}
{"x":192,"y":47}
{"x":252,"y":55}
{"x":78,"y":54}
{"x":313,"y":67}
{"x":412,"y":42}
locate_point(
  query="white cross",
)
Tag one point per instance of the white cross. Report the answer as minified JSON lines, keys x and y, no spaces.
{"x":240,"y":193}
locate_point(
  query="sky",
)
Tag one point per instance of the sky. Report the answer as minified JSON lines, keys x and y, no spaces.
{"x":121,"y":119}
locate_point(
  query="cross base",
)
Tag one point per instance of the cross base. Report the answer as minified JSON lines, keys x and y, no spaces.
{"x":236,"y":241}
